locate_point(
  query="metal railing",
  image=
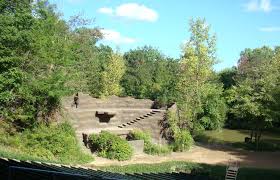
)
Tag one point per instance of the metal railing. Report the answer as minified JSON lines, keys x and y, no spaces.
{"x":15,"y":171}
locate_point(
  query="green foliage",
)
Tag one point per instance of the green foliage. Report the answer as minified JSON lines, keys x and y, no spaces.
{"x":104,"y":72}
{"x":50,"y":143}
{"x":15,"y":42}
{"x":43,"y":58}
{"x":53,"y":142}
{"x":150,"y":75}
{"x":111,"y":76}
{"x":155,"y":149}
{"x":252,"y":98}
{"x":214,"y":108}
{"x":34,"y":53}
{"x":84,"y":66}
{"x":165,"y":167}
{"x":182,"y":141}
{"x":226,"y":77}
{"x":140,"y":135}
{"x":149,"y":147}
{"x":110,"y":146}
{"x":194,"y":77}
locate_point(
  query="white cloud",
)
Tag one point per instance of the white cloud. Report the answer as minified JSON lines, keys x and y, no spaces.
{"x":270,"y":29}
{"x":137,"y":12}
{"x":259,"y":5}
{"x":116,"y":37}
{"x":132,"y":11}
{"x":106,"y":10}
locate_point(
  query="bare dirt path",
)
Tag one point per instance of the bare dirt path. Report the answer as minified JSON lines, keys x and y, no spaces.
{"x":207,"y":155}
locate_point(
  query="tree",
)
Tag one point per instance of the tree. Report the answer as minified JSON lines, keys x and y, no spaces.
{"x":84,"y":55}
{"x":195,"y":70}
{"x":214,"y":107}
{"x":138,"y":79}
{"x":276,"y":88}
{"x":165,"y":79}
{"x":112,"y":75}
{"x":35,"y":56}
{"x":150,"y":74}
{"x":226,"y":76}
{"x":252,"y":97}
{"x":106,"y":70}
{"x":16,"y":22}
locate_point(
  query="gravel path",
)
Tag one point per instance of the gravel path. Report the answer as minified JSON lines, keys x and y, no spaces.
{"x":207,"y":155}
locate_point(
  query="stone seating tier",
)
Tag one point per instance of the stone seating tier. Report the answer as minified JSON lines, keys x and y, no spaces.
{"x":133,"y":113}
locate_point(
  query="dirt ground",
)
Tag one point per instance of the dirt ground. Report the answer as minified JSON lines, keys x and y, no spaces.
{"x":208,"y":155}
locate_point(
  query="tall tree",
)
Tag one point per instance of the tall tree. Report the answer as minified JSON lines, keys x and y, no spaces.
{"x":16,"y":22}
{"x":112,"y":75}
{"x":84,"y":54}
{"x":252,"y":97}
{"x":105,"y":72}
{"x":138,"y":79}
{"x":196,"y":69}
{"x":35,"y":52}
{"x":227,"y":76}
{"x":150,"y":74}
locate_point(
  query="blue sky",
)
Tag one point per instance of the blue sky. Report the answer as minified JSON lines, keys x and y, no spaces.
{"x":163,"y":24}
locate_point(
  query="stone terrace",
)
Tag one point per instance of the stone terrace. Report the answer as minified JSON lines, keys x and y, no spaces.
{"x":128,"y":114}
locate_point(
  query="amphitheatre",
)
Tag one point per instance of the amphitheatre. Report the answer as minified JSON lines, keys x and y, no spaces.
{"x":118,"y":115}
{"x":130,"y":114}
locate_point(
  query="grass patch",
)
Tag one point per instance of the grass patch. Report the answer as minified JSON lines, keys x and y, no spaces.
{"x":54,"y":143}
{"x":11,"y":153}
{"x":270,"y":141}
{"x":214,"y":171}
{"x":151,"y":168}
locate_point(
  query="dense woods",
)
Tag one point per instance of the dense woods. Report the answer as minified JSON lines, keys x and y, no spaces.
{"x":43,"y":58}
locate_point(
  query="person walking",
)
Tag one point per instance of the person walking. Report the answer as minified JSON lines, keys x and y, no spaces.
{"x":76,"y":100}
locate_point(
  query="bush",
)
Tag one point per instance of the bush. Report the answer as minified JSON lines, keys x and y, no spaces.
{"x":56,"y":143}
{"x":198,"y":129}
{"x":182,"y":141}
{"x":8,"y":135}
{"x":155,"y":149}
{"x":140,"y":135}
{"x":149,"y":147}
{"x":110,"y":146}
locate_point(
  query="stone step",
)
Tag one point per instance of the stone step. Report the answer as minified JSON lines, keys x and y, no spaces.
{"x":130,"y":114}
{"x":85,"y":118}
{"x":111,"y":104}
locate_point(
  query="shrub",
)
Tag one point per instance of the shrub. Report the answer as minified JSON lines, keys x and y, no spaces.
{"x":149,"y":147}
{"x":54,"y":142}
{"x":110,"y":146}
{"x":182,"y":141}
{"x":155,"y":149}
{"x":140,"y":135}
{"x":198,"y":129}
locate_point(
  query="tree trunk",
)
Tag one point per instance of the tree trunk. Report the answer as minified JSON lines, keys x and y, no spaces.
{"x":251,"y":135}
{"x":259,"y":138}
